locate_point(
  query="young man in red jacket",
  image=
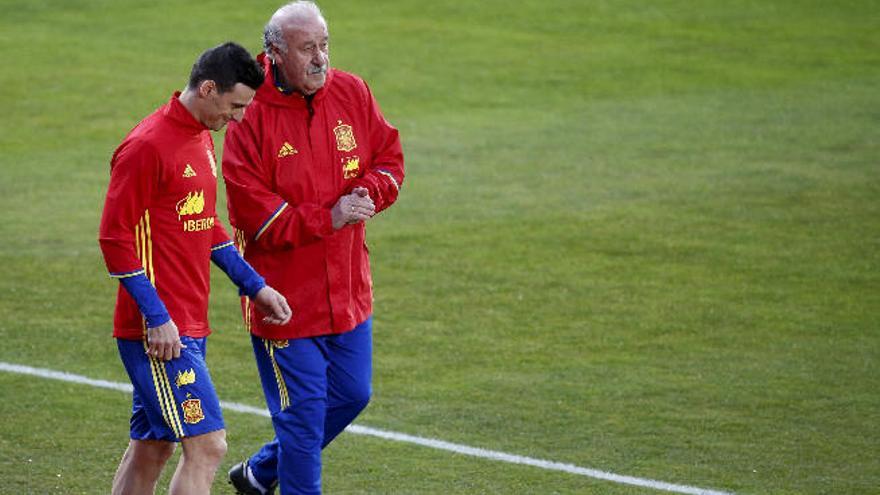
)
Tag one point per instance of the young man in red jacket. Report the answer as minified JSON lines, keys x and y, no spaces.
{"x":312,"y":160}
{"x":159,"y":232}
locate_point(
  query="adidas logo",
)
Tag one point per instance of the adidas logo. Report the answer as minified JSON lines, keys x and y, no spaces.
{"x":286,"y":150}
{"x":188,"y":172}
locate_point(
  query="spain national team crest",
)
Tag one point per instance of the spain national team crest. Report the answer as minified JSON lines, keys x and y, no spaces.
{"x":192,"y":411}
{"x":344,"y":137}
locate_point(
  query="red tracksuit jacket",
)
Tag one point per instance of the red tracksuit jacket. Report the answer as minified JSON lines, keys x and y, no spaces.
{"x":159,"y":216}
{"x":285,"y":166}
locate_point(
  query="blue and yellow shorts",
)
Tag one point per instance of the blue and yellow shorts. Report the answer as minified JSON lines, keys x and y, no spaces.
{"x":171,"y":399}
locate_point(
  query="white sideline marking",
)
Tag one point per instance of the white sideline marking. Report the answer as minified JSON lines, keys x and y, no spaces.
{"x":398,"y":437}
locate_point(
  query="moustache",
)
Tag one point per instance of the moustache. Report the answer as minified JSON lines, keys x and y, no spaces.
{"x":317,"y":69}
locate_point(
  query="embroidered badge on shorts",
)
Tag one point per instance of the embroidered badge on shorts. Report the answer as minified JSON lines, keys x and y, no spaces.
{"x":186,"y":377}
{"x":192,"y":411}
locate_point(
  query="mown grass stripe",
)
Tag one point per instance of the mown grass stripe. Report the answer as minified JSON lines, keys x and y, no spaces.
{"x":398,"y":437}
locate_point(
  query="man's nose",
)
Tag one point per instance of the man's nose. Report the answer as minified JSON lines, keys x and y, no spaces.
{"x":319,"y":59}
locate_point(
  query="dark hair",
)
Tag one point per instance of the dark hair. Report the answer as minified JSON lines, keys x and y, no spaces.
{"x":227,"y":65}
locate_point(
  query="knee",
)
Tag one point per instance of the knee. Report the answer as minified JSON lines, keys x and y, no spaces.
{"x":215,"y":449}
{"x":365,"y":398}
{"x":207,"y":449}
{"x":359,"y":399}
{"x":164,"y":452}
{"x":353,"y":395}
{"x":151,"y":452}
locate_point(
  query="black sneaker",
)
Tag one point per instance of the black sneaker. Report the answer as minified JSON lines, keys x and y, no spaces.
{"x":239,"y":480}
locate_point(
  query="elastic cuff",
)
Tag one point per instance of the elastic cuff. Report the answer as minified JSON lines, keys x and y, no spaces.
{"x":238,"y":270}
{"x":147,"y":299}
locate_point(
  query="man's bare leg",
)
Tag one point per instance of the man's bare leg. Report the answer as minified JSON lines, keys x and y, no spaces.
{"x":141,"y":466}
{"x":198,"y":464}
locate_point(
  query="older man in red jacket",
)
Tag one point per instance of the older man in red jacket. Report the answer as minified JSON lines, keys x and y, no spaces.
{"x":311,"y":161}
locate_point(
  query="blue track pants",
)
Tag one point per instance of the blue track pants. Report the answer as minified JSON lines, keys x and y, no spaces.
{"x":314,"y":388}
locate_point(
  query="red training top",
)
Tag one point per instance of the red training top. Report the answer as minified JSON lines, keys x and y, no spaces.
{"x":159,"y":216}
{"x":285,"y":166}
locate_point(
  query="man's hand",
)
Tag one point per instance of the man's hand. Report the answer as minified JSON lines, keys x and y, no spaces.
{"x":353,"y":208}
{"x":273,"y":305}
{"x":163,"y":342}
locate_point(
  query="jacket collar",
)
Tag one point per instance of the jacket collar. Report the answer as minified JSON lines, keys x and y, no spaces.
{"x":175,"y":111}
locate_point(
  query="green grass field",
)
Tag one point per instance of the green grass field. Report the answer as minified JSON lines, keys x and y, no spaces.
{"x":640,"y":237}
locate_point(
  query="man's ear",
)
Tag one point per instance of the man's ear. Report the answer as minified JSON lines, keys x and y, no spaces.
{"x":207,"y":88}
{"x":273,"y":52}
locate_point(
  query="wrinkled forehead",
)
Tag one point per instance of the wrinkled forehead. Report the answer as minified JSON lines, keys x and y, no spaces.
{"x":302,"y":30}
